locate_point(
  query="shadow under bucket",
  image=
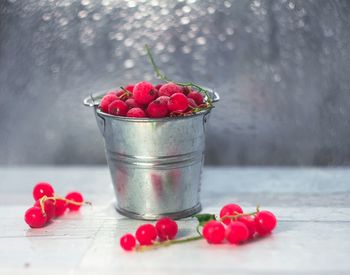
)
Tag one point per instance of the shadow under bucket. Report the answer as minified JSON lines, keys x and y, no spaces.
{"x":155,"y":164}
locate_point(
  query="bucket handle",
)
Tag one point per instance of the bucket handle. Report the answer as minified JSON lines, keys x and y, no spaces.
{"x":91,"y":102}
{"x":215,"y":97}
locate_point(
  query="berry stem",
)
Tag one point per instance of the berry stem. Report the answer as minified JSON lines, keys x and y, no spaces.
{"x":198,"y":231}
{"x":162,"y":76}
{"x":45,"y":198}
{"x":141,"y":248}
{"x":125,"y":94}
{"x":233,"y":217}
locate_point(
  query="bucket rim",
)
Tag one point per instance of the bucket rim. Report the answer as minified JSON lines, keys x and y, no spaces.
{"x":94,"y":99}
{"x":148,"y":119}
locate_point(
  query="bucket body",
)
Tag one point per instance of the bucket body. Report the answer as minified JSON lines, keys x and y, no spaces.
{"x":155,"y":164}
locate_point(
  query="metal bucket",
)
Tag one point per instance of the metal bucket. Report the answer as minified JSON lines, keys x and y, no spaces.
{"x":155,"y":164}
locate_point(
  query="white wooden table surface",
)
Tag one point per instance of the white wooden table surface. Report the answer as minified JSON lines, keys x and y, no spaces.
{"x":312,"y":237}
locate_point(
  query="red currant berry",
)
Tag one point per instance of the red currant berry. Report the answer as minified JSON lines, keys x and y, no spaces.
{"x":49,"y":208}
{"x":250,"y":224}
{"x":178,"y":103}
{"x":74,"y":196}
{"x":186,"y":90}
{"x":144,"y":92}
{"x":146,"y":234}
{"x":106,"y":100}
{"x":60,"y":207}
{"x":192,"y":103}
{"x":157,"y":109}
{"x":164,"y":99}
{"x":169,"y":89}
{"x":34,"y":217}
{"x":197,"y":97}
{"x":127,"y":242}
{"x":265,"y":222}
{"x":131,"y":102}
{"x":214,"y":232}
{"x":237,"y":232}
{"x":136,"y":112}
{"x":166,"y":228}
{"x":230,"y":210}
{"x":130,"y":88}
{"x":158,"y":86}
{"x":120,"y":94}
{"x":42,"y":189}
{"x":118,"y":108}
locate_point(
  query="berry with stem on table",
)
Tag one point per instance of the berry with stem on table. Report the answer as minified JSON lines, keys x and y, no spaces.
{"x":229,"y":210}
{"x":34,"y":217}
{"x":74,"y":197}
{"x":42,"y":189}
{"x":214,"y":232}
{"x":237,"y":232}
{"x":265,"y":222}
{"x":49,"y":208}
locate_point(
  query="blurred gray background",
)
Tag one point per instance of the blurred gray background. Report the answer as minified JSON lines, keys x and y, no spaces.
{"x":281,"y":67}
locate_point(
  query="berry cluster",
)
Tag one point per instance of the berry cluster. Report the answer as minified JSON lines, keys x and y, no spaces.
{"x":145,"y":100}
{"x":146,"y":234}
{"x":232,"y":224}
{"x":47,"y":206}
{"x":236,"y":226}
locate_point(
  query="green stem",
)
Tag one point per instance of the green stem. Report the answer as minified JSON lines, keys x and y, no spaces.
{"x":161,"y":76}
{"x":198,"y":231}
{"x":125,"y":90}
{"x":167,"y":243}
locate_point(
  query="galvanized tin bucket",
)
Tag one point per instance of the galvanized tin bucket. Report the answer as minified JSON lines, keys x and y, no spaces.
{"x":155,"y":164}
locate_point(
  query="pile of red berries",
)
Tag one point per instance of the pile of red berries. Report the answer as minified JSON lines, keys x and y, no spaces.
{"x":146,"y":234}
{"x":145,"y":100}
{"x":47,"y":206}
{"x":232,"y":224}
{"x":237,"y":227}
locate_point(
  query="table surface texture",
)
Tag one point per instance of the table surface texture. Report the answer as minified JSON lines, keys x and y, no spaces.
{"x":312,"y":237}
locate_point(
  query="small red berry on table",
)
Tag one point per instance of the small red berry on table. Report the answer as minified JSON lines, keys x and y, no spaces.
{"x":166,"y":228}
{"x":230,"y":210}
{"x":60,"y":207}
{"x":249,"y":221}
{"x":75,"y":197}
{"x":146,"y":234}
{"x":265,"y":222}
{"x":35,"y":217}
{"x":42,"y":189}
{"x":127,"y":242}
{"x":49,"y":208}
{"x":237,"y":232}
{"x":214,"y":232}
